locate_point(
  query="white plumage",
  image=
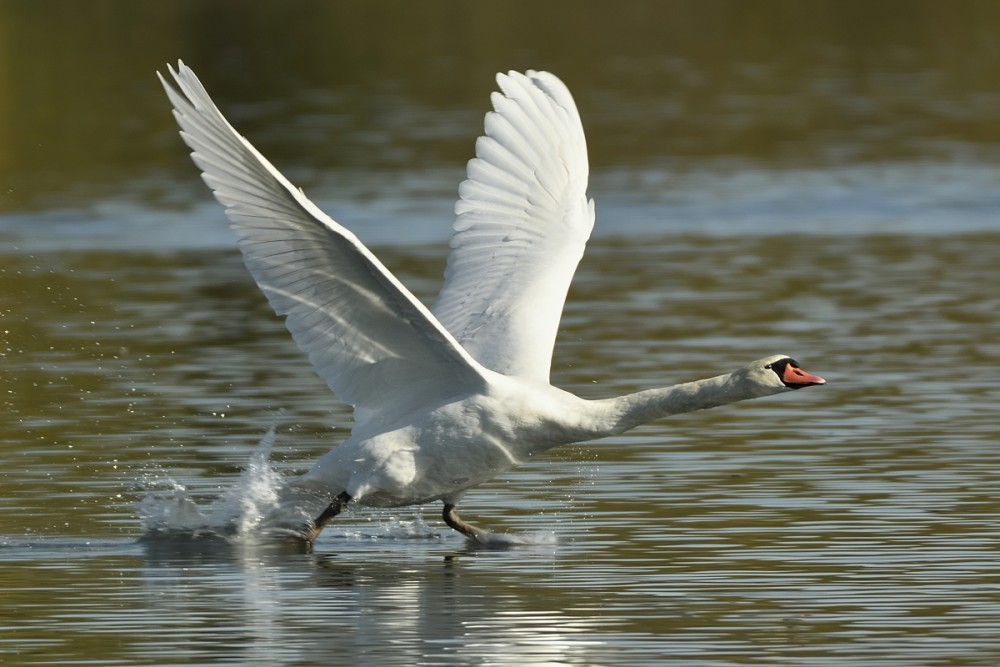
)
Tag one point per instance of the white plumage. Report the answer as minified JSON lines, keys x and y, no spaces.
{"x":445,"y":398}
{"x":523,"y":219}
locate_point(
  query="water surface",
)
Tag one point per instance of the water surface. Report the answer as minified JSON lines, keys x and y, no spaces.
{"x":855,"y":520}
{"x":820,"y":181}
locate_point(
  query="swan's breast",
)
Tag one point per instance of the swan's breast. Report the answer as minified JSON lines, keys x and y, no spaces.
{"x":452,"y":447}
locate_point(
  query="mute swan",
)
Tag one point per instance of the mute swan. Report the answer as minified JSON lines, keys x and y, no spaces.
{"x":448,"y":397}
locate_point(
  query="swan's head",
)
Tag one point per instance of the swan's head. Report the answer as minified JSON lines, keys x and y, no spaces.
{"x":780,"y":373}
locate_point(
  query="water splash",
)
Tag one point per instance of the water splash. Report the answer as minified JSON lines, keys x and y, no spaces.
{"x":377,"y":524}
{"x":502,"y":541}
{"x":259,"y":505}
{"x":256,"y":502}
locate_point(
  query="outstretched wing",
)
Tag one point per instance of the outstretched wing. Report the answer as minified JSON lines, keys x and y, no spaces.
{"x":375,"y":344}
{"x":523,"y":219}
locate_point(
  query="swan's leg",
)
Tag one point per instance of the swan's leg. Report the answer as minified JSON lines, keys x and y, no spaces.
{"x":451,"y":518}
{"x":312,"y":530}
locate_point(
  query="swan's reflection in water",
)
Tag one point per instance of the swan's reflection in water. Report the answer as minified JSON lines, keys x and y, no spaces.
{"x":268,"y":603}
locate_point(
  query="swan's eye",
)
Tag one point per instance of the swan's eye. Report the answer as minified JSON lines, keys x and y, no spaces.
{"x":779,"y":367}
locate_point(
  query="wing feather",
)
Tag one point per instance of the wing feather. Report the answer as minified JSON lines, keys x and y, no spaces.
{"x":522,"y":222}
{"x":376,"y":346}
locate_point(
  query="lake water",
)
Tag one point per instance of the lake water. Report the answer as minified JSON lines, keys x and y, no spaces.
{"x":145,"y":380}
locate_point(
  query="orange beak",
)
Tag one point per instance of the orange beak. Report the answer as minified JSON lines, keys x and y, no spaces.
{"x":796,"y":378}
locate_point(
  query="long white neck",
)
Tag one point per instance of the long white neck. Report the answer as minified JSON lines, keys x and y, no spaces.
{"x":616,"y":415}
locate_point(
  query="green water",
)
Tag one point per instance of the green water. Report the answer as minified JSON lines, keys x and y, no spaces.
{"x":817,"y":179}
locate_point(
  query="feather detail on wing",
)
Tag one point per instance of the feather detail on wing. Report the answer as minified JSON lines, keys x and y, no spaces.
{"x":368,"y":337}
{"x":523,"y":220}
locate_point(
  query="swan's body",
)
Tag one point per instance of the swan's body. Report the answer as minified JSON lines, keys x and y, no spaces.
{"x":450,"y":397}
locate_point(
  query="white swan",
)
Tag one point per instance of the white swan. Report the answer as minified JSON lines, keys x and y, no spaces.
{"x":446,"y":398}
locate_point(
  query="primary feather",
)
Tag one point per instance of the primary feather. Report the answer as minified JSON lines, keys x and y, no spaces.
{"x":376,"y":346}
{"x":523,"y":220}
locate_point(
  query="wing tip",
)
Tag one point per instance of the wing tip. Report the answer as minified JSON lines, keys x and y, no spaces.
{"x":542,"y":81}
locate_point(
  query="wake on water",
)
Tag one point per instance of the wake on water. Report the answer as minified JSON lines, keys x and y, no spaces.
{"x":259,"y":506}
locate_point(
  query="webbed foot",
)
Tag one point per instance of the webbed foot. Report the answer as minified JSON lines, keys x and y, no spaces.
{"x":311,"y":530}
{"x":451,"y":518}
